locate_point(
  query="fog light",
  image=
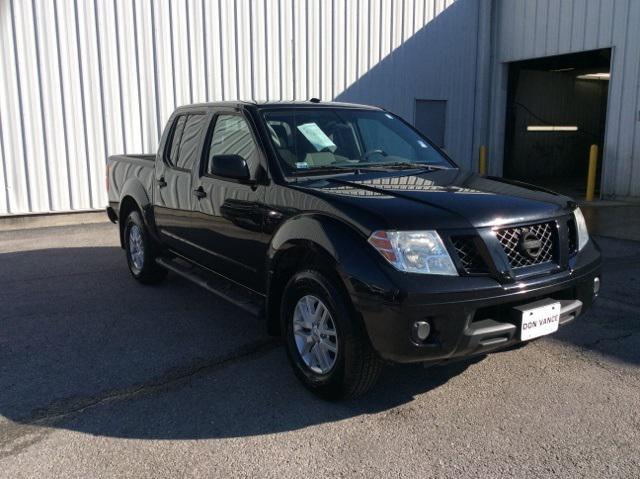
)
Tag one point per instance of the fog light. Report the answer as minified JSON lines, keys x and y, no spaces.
{"x":420,"y":331}
{"x":596,"y":286}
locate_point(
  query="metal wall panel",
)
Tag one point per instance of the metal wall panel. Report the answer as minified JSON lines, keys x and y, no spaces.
{"x":536,"y":28}
{"x":84,"y":79}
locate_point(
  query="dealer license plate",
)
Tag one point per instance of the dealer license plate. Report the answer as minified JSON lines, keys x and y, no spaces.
{"x":539,"y":320}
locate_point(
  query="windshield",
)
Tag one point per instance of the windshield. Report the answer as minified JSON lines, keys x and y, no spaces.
{"x":310,"y":140}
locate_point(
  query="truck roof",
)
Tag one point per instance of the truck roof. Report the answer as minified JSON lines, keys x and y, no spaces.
{"x":314,"y":103}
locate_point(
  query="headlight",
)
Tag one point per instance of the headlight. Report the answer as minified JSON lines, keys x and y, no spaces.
{"x":414,"y":251}
{"x":581,"y":228}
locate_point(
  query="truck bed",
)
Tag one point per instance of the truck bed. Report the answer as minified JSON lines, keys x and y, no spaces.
{"x":145,"y":157}
{"x":121,"y":168}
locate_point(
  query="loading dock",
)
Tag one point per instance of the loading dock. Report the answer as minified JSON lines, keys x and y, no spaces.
{"x":556,"y":109}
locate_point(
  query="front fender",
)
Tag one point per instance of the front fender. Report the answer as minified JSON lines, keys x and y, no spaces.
{"x":356,"y":262}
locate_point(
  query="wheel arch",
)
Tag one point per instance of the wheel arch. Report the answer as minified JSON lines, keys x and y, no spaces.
{"x":325,"y":244}
{"x":134,"y":197}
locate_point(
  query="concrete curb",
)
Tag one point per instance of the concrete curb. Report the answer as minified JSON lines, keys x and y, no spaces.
{"x":22,"y":222}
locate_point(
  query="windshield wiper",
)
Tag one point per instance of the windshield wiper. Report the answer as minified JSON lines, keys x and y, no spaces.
{"x":399,"y":165}
{"x":340,"y":169}
{"x":326,"y":169}
{"x":359,"y":169}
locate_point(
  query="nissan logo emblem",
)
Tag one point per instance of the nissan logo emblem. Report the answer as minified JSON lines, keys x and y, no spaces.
{"x":529,"y":244}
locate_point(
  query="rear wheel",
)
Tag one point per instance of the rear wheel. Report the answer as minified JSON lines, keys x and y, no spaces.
{"x":326,"y":344}
{"x":141,"y":251}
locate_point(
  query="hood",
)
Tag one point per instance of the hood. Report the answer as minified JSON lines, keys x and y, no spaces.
{"x":441,"y":198}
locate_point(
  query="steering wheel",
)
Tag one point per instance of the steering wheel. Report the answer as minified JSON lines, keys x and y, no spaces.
{"x":377,"y":151}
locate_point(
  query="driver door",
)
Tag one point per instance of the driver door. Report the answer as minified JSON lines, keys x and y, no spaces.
{"x":228,"y":216}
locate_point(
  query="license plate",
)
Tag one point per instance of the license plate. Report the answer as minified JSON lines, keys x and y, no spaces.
{"x":539,"y":319}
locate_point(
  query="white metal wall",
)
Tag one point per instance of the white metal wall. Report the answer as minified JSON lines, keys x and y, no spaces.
{"x":536,"y":28}
{"x":83,"y":79}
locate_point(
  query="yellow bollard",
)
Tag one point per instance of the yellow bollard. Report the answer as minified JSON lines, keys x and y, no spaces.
{"x":591,"y":176}
{"x":483,"y":160}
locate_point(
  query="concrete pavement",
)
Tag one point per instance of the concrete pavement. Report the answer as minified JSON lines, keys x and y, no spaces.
{"x":102,"y":377}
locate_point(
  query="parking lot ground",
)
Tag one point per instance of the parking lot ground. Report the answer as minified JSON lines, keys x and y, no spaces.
{"x":103,"y":377}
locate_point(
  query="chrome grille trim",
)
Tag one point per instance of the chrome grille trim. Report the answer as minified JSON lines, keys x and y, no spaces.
{"x":510,"y":239}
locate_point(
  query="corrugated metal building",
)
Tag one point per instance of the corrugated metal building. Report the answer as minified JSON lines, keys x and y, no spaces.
{"x":83,"y":79}
{"x":541,"y":28}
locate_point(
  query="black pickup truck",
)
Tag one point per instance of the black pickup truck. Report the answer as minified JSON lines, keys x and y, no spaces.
{"x":357,"y":239}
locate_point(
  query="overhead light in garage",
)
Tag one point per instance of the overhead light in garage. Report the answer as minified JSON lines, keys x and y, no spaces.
{"x":594,"y":76}
{"x":560,"y":70}
{"x":551,"y":128}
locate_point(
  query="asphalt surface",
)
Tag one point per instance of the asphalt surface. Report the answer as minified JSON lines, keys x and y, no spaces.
{"x":102,"y":377}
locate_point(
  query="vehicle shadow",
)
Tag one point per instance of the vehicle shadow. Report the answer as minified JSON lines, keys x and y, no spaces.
{"x":169,"y":361}
{"x":255,"y":397}
{"x":77,"y":334}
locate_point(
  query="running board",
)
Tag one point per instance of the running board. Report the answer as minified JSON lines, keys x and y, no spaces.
{"x":243,"y":298}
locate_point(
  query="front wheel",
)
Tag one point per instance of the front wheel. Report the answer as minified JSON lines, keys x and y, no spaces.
{"x":141,"y":251}
{"x":326,"y":344}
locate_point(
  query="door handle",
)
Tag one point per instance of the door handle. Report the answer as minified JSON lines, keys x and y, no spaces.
{"x":161,"y":182}
{"x":199,"y":192}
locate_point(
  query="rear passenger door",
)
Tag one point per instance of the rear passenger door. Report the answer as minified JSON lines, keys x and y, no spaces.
{"x":228,"y":216}
{"x":174,"y":193}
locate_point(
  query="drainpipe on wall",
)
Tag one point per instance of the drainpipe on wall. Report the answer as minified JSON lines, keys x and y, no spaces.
{"x":482,"y":92}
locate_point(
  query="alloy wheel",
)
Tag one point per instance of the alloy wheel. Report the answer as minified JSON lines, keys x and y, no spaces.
{"x":136,"y":247}
{"x":315,"y":334}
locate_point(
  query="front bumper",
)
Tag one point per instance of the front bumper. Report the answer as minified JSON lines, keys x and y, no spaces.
{"x":468,"y":316}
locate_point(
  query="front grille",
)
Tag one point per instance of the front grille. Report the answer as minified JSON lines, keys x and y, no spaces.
{"x":512,"y":241}
{"x":469,"y":256}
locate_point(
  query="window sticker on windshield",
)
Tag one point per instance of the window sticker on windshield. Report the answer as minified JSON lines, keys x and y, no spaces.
{"x":317,"y":137}
{"x":422,"y":144}
{"x":302,"y":164}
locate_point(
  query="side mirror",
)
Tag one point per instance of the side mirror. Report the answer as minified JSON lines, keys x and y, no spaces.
{"x":229,"y":166}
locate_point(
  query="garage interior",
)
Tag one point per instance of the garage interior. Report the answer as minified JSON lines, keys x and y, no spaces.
{"x":556,"y":109}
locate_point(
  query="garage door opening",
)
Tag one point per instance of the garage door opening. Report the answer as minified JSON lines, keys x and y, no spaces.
{"x":556,"y":109}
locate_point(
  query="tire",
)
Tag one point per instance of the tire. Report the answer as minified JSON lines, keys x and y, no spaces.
{"x":141,"y":251}
{"x":354,"y":367}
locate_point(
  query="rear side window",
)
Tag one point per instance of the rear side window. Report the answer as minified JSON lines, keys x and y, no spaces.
{"x":232,"y":136}
{"x":184,"y":142}
{"x":188,"y":153}
{"x":176,"y":136}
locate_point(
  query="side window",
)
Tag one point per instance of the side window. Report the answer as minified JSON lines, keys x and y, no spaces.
{"x":188,"y":152}
{"x":174,"y":142}
{"x":232,"y":136}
